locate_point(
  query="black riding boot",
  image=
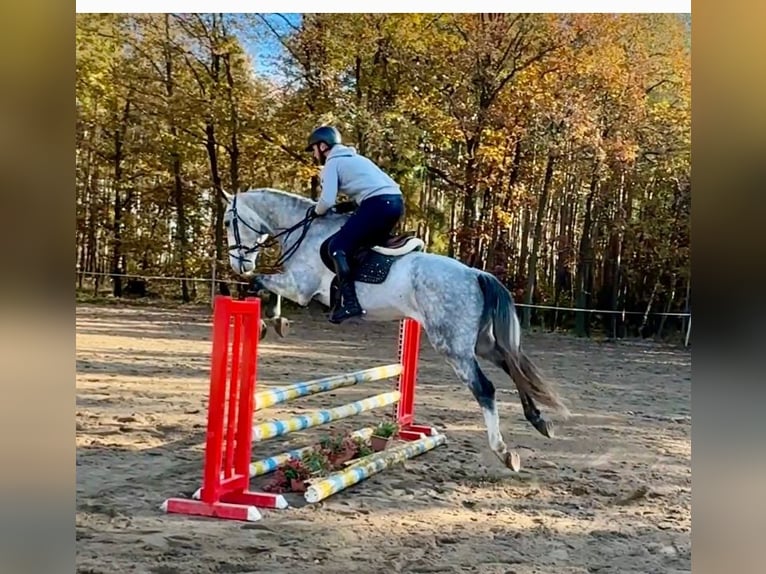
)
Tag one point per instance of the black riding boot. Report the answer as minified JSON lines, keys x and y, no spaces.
{"x":349,"y":305}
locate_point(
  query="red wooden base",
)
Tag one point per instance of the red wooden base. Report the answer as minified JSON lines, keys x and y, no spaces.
{"x":233,"y":505}
{"x":248,"y":498}
{"x":415,"y":432}
{"x":213,"y":510}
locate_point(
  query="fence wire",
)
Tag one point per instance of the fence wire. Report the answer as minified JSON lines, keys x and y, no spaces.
{"x":235,"y":282}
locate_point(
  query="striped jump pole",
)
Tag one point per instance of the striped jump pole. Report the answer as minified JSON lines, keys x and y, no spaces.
{"x":273,"y":429}
{"x":367,"y":467}
{"x":271,"y":397}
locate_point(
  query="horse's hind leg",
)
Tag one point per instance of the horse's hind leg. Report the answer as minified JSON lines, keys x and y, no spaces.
{"x":468,"y":371}
{"x":531,"y":412}
{"x":535,"y":417}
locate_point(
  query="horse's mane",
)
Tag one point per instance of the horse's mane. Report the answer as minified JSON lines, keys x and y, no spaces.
{"x":296,"y":199}
{"x":295,"y":202}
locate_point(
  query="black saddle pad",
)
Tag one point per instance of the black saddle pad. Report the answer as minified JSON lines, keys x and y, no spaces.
{"x":367,"y":266}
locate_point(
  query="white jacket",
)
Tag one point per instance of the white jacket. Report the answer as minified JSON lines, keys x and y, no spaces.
{"x":347,"y":172}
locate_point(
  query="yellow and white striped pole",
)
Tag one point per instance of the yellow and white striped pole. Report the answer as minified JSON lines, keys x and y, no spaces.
{"x":271,"y":397}
{"x":272,"y":429}
{"x":369,"y":466}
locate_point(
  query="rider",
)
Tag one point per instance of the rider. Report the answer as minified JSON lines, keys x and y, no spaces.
{"x":379,"y":206}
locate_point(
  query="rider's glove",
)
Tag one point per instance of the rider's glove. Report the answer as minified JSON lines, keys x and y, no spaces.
{"x":345,"y":207}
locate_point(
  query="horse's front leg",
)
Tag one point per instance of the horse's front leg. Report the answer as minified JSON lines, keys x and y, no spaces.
{"x":254,"y":288}
{"x":272,"y":310}
{"x":281,"y":285}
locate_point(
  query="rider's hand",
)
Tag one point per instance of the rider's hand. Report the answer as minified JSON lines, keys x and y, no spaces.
{"x":345,"y":207}
{"x":314,"y":213}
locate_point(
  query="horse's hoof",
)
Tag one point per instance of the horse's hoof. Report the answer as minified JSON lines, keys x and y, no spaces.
{"x":281,"y":326}
{"x":513,"y":460}
{"x":264,"y":330}
{"x":544,"y":427}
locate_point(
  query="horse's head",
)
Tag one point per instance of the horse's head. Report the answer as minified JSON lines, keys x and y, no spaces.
{"x":265,"y":217}
{"x":246,"y":233}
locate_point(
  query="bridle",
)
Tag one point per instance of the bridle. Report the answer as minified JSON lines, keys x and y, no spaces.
{"x":243,"y":250}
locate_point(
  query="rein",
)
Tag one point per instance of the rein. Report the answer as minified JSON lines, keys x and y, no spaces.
{"x":304,"y":225}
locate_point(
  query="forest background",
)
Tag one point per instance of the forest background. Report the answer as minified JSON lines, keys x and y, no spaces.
{"x":553,"y":150}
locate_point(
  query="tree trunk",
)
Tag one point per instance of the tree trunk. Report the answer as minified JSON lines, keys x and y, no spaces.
{"x":178,"y":196}
{"x":181,"y":236}
{"x":687,"y":306}
{"x":509,"y":209}
{"x":234,"y":121}
{"x":360,"y":141}
{"x":430,"y":199}
{"x":119,"y":135}
{"x":585,"y":260}
{"x":234,"y":153}
{"x":91,"y":242}
{"x":668,"y":306}
{"x":469,"y":199}
{"x":542,"y":204}
{"x":524,"y":247}
{"x":483,"y":230}
{"x":514,"y":177}
{"x":648,"y":309}
{"x":453,"y":227}
{"x":422,"y":208}
{"x":612,"y":259}
{"x":218,"y":206}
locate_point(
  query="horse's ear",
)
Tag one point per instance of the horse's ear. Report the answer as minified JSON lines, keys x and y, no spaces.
{"x":226,"y":197}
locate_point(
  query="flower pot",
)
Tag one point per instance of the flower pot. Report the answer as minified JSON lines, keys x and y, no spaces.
{"x":340,"y":458}
{"x":379,"y":443}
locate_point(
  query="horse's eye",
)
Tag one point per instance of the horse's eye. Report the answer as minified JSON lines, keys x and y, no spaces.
{"x":226,"y":223}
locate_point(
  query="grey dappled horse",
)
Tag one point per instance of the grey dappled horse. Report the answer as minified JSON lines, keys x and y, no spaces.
{"x":464,"y":311}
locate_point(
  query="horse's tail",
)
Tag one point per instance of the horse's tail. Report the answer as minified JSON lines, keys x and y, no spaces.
{"x":499,"y":313}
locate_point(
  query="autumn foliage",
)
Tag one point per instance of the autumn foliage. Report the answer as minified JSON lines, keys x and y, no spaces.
{"x":551,"y":149}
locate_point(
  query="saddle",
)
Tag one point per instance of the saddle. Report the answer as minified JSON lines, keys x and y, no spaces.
{"x":372,"y":264}
{"x":396,"y":245}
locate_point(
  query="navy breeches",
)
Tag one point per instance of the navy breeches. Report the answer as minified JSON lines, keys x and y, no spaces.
{"x":370,"y":224}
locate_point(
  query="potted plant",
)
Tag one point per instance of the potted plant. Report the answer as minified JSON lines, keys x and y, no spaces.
{"x":316,"y":462}
{"x":382,"y":435}
{"x":290,"y":477}
{"x":363,"y":448}
{"x":338,"y":449}
{"x":297,"y":474}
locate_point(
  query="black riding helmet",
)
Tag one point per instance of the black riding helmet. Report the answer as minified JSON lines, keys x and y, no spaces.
{"x":327,"y":134}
